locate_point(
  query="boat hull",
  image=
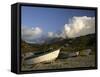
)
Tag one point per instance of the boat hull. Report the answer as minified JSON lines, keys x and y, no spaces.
{"x":43,"y":58}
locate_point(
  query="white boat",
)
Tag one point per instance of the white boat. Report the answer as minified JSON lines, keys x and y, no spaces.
{"x":43,"y":57}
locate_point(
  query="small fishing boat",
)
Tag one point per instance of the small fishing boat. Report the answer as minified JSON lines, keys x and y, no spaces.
{"x":42,"y":57}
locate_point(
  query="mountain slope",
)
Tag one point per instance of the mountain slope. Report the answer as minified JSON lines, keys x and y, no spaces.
{"x":78,"y":43}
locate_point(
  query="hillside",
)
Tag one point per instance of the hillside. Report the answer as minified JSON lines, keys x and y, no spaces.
{"x":79,"y":43}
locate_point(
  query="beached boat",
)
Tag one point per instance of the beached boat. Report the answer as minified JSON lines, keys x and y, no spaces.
{"x":42,"y":57}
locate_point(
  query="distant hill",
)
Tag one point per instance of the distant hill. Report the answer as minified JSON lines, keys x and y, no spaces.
{"x":25,"y":47}
{"x":78,"y":43}
{"x":82,"y":42}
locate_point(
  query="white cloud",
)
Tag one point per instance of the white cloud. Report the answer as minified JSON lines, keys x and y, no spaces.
{"x":79,"y":26}
{"x":29,"y":34}
{"x":50,"y":34}
{"x":54,"y":35}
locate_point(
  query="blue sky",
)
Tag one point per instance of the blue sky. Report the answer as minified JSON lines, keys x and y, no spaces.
{"x":50,"y":19}
{"x":40,"y":23}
